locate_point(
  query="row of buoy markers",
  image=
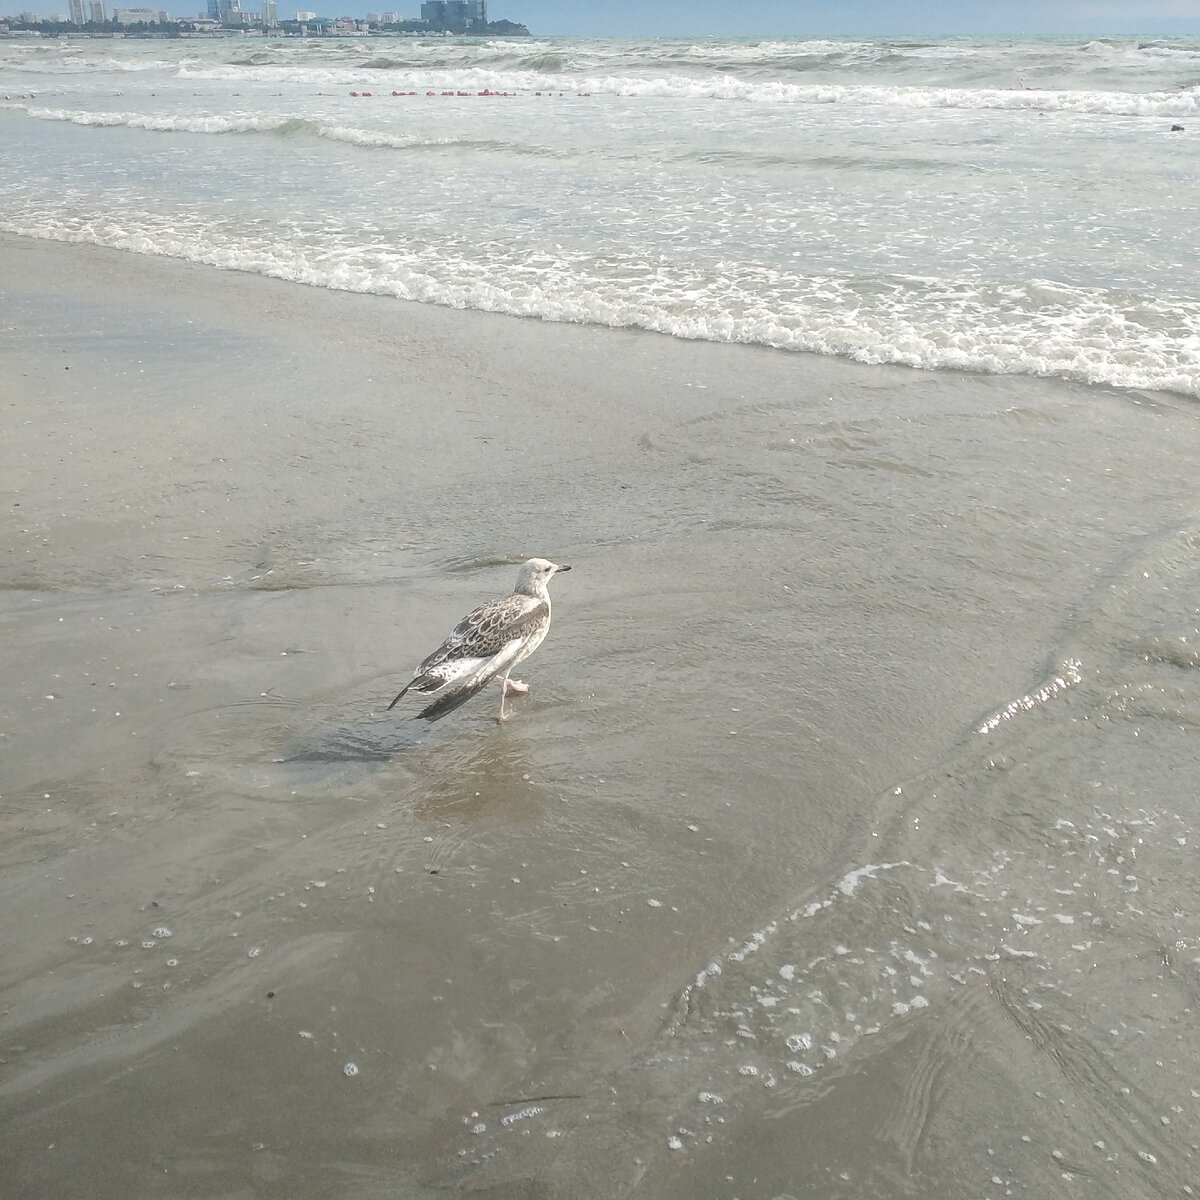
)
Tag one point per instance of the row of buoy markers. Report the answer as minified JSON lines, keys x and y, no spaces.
{"x":485,"y":92}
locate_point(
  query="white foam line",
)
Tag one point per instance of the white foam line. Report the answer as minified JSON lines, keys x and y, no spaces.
{"x":1071,"y":675}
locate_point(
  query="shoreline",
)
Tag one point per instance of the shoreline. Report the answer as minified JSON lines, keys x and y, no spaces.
{"x":265,"y":933}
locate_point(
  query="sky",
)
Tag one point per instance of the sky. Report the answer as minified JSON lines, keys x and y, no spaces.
{"x":740,"y":18}
{"x":766,"y":18}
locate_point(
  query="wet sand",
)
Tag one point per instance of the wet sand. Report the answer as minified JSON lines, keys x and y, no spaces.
{"x":263,"y":937}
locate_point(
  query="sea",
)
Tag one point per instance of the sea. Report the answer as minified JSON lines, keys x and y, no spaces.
{"x":1002,"y":206}
{"x":845,"y":844}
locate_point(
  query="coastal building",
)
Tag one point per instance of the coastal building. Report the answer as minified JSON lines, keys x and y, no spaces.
{"x":77,"y":15}
{"x":454,"y":14}
{"x":270,"y":13}
{"x":305,"y":16}
{"x":138,"y":16}
{"x":99,"y":10}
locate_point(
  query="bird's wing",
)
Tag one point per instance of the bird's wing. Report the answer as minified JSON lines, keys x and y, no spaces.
{"x":484,"y":643}
{"x":463,"y":688}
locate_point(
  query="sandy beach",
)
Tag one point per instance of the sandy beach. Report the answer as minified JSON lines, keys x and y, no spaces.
{"x":264,"y":938}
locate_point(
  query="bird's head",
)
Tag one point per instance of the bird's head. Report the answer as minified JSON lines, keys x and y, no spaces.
{"x":535,"y":574}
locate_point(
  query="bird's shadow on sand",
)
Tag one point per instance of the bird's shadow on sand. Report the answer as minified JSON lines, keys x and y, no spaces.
{"x":344,"y":754}
{"x":477,"y":771}
{"x":370,"y":739}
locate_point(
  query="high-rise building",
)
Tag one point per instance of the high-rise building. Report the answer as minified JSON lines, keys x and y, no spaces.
{"x":454,"y":14}
{"x":77,"y":17}
{"x":270,"y":13}
{"x":99,"y":11}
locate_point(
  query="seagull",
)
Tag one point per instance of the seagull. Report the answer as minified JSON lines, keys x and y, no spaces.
{"x":488,"y":642}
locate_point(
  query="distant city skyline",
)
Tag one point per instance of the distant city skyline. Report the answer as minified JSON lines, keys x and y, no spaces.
{"x":766,"y":18}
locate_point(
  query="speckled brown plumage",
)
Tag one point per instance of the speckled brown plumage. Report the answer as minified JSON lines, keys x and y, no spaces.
{"x":487,"y":643}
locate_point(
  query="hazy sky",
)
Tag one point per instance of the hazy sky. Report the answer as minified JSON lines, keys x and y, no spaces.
{"x":752,"y":17}
{"x":730,"y":18}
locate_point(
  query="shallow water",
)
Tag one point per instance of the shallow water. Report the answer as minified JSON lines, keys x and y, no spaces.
{"x":857,"y":770}
{"x":1006,"y":206}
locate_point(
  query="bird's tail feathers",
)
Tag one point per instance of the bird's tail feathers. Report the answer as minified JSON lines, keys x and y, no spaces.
{"x":464,"y":675}
{"x":472,"y":676}
{"x":423,"y":683}
{"x":448,"y":703}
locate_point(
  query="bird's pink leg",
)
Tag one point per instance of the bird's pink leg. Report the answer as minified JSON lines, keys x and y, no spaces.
{"x":510,"y":685}
{"x":503,"y":693}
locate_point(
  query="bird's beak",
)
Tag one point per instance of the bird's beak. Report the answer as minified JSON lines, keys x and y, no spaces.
{"x":557,"y":569}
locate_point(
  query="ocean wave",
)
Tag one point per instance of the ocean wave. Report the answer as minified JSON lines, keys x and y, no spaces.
{"x":257,"y":58}
{"x":1132,"y":65}
{"x":381,"y":62}
{"x":1039,"y":327}
{"x":68,"y":63}
{"x":1108,"y":103}
{"x":291,"y":127}
{"x":759,"y":51}
{"x":732,"y":87}
{"x":1161,"y":48}
{"x":547,"y":62}
{"x":192,"y":123}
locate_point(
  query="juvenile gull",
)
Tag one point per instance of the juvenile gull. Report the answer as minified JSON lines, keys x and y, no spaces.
{"x":488,"y":642}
